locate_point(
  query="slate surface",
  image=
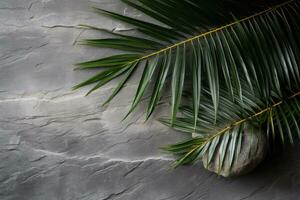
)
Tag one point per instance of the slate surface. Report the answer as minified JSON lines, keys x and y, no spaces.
{"x":56,"y":144}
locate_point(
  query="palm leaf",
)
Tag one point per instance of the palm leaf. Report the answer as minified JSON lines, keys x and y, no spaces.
{"x":222,"y":48}
{"x":241,"y":71}
{"x":227,"y":132}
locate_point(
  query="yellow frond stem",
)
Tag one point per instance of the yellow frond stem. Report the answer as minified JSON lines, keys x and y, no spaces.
{"x":224,"y":130}
{"x":211,"y":31}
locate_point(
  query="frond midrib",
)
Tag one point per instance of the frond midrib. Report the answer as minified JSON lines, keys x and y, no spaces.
{"x":264,"y":12}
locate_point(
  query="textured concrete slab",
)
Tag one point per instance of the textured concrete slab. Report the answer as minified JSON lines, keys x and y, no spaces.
{"x":57,"y":144}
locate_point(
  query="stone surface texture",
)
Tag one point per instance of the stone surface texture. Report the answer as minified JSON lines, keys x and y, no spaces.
{"x":253,"y":150}
{"x":57,"y":144}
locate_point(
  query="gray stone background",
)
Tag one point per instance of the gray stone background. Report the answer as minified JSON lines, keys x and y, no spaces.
{"x":57,"y":144}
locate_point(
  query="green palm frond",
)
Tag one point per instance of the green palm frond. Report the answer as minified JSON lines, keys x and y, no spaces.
{"x":235,"y":72}
{"x":279,"y":120}
{"x":176,"y":37}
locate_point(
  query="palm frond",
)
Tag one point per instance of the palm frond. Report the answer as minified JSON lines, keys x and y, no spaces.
{"x":238,"y":49}
{"x":243,"y":72}
{"x":224,"y":137}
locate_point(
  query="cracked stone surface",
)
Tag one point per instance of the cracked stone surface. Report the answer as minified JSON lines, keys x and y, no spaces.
{"x":57,"y":144}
